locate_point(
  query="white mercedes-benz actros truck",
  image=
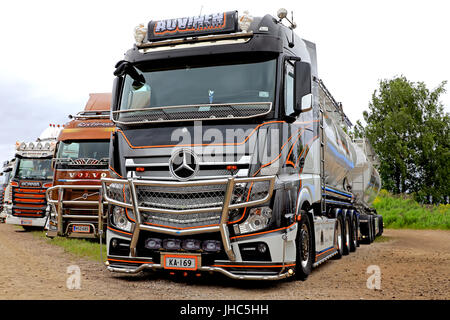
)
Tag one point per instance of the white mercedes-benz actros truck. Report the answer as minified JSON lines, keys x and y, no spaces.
{"x":230,"y":154}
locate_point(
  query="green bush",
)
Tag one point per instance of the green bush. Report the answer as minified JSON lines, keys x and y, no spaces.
{"x":401,"y":211}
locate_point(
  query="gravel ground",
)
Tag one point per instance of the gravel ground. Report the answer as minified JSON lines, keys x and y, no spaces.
{"x":414,"y":264}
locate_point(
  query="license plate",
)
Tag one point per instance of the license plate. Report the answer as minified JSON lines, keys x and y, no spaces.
{"x":81,"y":229}
{"x":26,"y":222}
{"x":180,"y":262}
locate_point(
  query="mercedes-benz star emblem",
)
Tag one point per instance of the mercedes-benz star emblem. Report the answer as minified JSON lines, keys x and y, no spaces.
{"x":183,"y":164}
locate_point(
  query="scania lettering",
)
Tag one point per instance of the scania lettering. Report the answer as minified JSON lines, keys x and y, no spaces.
{"x":230,"y":155}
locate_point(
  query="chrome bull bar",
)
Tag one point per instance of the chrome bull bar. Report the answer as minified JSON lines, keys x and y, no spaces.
{"x":223,"y":208}
{"x":58,"y":204}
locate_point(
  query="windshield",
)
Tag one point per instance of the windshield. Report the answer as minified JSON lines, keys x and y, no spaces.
{"x":74,"y":150}
{"x":217,"y":83}
{"x":34,"y":169}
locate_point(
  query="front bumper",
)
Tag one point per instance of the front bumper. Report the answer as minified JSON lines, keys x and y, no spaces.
{"x":64,"y":223}
{"x":26,"y":221}
{"x":282,"y":240}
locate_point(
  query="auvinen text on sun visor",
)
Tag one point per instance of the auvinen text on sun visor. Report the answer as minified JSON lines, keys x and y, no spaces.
{"x":225,"y":22}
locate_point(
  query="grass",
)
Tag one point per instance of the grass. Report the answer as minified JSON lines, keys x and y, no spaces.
{"x":88,"y":248}
{"x":401,"y":212}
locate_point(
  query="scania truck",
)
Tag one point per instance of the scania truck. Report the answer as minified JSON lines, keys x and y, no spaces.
{"x":82,"y":157}
{"x":31,"y":176}
{"x":230,"y":154}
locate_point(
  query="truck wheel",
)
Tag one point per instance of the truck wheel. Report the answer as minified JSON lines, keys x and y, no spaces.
{"x":358,"y":233}
{"x":371,"y":229}
{"x":380,"y":225}
{"x":354,"y":235}
{"x":304,"y":252}
{"x":347,"y":235}
{"x":339,"y":238}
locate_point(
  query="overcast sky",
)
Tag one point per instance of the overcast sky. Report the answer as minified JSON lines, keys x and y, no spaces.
{"x":54,"y":53}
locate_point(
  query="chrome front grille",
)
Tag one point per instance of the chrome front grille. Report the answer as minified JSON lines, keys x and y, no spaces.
{"x":181,"y":198}
{"x":181,"y":220}
{"x":187,"y":204}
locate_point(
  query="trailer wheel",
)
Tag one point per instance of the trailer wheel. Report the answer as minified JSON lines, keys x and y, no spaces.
{"x":354,"y":235}
{"x":304,"y":252}
{"x":347,"y":235}
{"x":339,"y":238}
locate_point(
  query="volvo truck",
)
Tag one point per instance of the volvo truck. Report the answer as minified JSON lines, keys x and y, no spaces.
{"x":81,"y":159}
{"x":230,"y":154}
{"x":31,"y":176}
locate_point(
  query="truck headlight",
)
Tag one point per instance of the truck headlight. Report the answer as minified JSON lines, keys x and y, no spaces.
{"x":258,"y":219}
{"x":120,"y":220}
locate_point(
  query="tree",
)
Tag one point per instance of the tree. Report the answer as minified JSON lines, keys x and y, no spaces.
{"x":409,"y":130}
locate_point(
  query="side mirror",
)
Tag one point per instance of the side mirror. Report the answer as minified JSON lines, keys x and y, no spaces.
{"x":117,"y":87}
{"x":303,"y":87}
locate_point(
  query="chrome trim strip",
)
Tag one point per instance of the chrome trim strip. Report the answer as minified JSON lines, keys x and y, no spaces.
{"x":171,"y":42}
{"x":190,"y":119}
{"x":224,"y":220}
{"x":229,"y":274}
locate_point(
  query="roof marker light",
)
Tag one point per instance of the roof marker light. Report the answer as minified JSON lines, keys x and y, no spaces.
{"x":282,"y":13}
{"x":22,"y":146}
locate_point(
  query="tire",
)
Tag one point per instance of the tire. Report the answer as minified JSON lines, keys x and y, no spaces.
{"x":304,"y":249}
{"x":347,"y":235}
{"x":371,"y":229}
{"x":358,"y":229}
{"x":339,"y":238}
{"x":354,"y":235}
{"x":380,"y":224}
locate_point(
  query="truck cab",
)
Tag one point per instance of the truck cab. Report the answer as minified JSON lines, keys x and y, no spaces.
{"x":81,"y":159}
{"x":31,"y":176}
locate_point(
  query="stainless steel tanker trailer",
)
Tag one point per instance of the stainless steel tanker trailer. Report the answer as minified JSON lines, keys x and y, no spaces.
{"x":229,"y":154}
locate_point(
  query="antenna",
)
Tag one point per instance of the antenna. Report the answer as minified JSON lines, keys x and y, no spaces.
{"x":201,"y":8}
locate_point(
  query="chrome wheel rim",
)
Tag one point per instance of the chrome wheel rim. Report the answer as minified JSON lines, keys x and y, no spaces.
{"x":338,"y":235}
{"x":305,"y":246}
{"x":347,"y":234}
